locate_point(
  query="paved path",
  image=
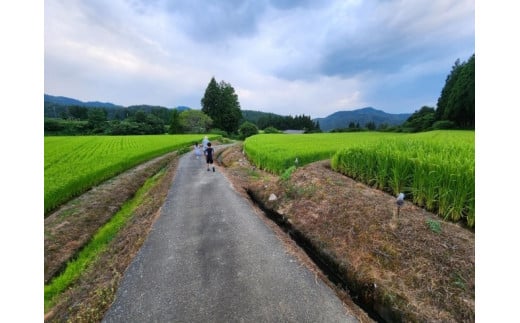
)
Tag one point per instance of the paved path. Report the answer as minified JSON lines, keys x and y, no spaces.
{"x":209,"y":258}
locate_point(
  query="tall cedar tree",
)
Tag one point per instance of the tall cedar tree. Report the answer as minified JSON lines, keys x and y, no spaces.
{"x":221,"y":104}
{"x":175,"y":125}
{"x":457,"y":100}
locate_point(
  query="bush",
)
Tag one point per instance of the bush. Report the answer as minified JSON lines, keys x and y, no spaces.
{"x":61,"y":127}
{"x":271,"y":129}
{"x":52,"y":125}
{"x":443,"y":124}
{"x":217,"y":131}
{"x":247,"y":129}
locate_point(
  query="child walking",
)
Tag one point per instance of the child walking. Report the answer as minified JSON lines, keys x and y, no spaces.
{"x":209,"y":155}
{"x":198,"y":150}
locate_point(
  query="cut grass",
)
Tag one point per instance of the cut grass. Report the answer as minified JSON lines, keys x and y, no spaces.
{"x":97,"y":245}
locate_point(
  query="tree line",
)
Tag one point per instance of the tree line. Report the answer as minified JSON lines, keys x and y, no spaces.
{"x":81,"y":120}
{"x":455,"y":106}
{"x":299,"y":122}
{"x":220,"y":113}
{"x":456,"y":103}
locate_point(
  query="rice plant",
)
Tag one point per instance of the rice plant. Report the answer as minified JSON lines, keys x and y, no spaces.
{"x":435,"y":169}
{"x":73,"y":165}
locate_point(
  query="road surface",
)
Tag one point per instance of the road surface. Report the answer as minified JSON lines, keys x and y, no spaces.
{"x":210,"y":258}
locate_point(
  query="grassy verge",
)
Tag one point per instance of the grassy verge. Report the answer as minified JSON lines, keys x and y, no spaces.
{"x":96,"y":246}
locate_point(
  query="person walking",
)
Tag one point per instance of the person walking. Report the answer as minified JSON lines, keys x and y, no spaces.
{"x":205,"y":142}
{"x":209,"y":156}
{"x":198,"y":150}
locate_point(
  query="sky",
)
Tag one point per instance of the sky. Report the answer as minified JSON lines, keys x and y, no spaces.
{"x":289,"y":57}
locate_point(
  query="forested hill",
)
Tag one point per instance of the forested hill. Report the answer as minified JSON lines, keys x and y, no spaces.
{"x":61,"y":100}
{"x":68,"y":108}
{"x":342,"y":119}
{"x":64,"y":107}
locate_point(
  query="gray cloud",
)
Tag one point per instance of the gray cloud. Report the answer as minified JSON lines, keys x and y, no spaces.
{"x":290,"y":57}
{"x":208,"y":21}
{"x":386,"y":36}
{"x":294,"y":4}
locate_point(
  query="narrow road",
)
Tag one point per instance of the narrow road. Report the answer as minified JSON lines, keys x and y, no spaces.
{"x":209,"y":258}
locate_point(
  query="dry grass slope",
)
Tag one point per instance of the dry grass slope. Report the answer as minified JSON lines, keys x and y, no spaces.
{"x":401,"y":266}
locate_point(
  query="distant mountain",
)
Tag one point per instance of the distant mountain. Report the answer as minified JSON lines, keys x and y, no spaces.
{"x":181,"y":108}
{"x":62,"y":100}
{"x":57,"y":106}
{"x":341,"y":119}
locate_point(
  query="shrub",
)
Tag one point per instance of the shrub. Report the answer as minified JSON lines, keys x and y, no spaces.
{"x":217,"y":131}
{"x":271,"y":130}
{"x":443,"y":124}
{"x":247,"y":129}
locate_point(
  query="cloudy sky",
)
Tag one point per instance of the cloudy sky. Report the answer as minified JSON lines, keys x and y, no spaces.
{"x":288,"y":57}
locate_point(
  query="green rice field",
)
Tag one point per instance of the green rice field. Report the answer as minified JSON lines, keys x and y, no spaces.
{"x":436,"y":170}
{"x":73,"y":165}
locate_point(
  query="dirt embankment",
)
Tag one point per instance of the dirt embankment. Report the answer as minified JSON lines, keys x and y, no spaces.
{"x":411,"y":267}
{"x":69,"y":228}
{"x":72,"y":225}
